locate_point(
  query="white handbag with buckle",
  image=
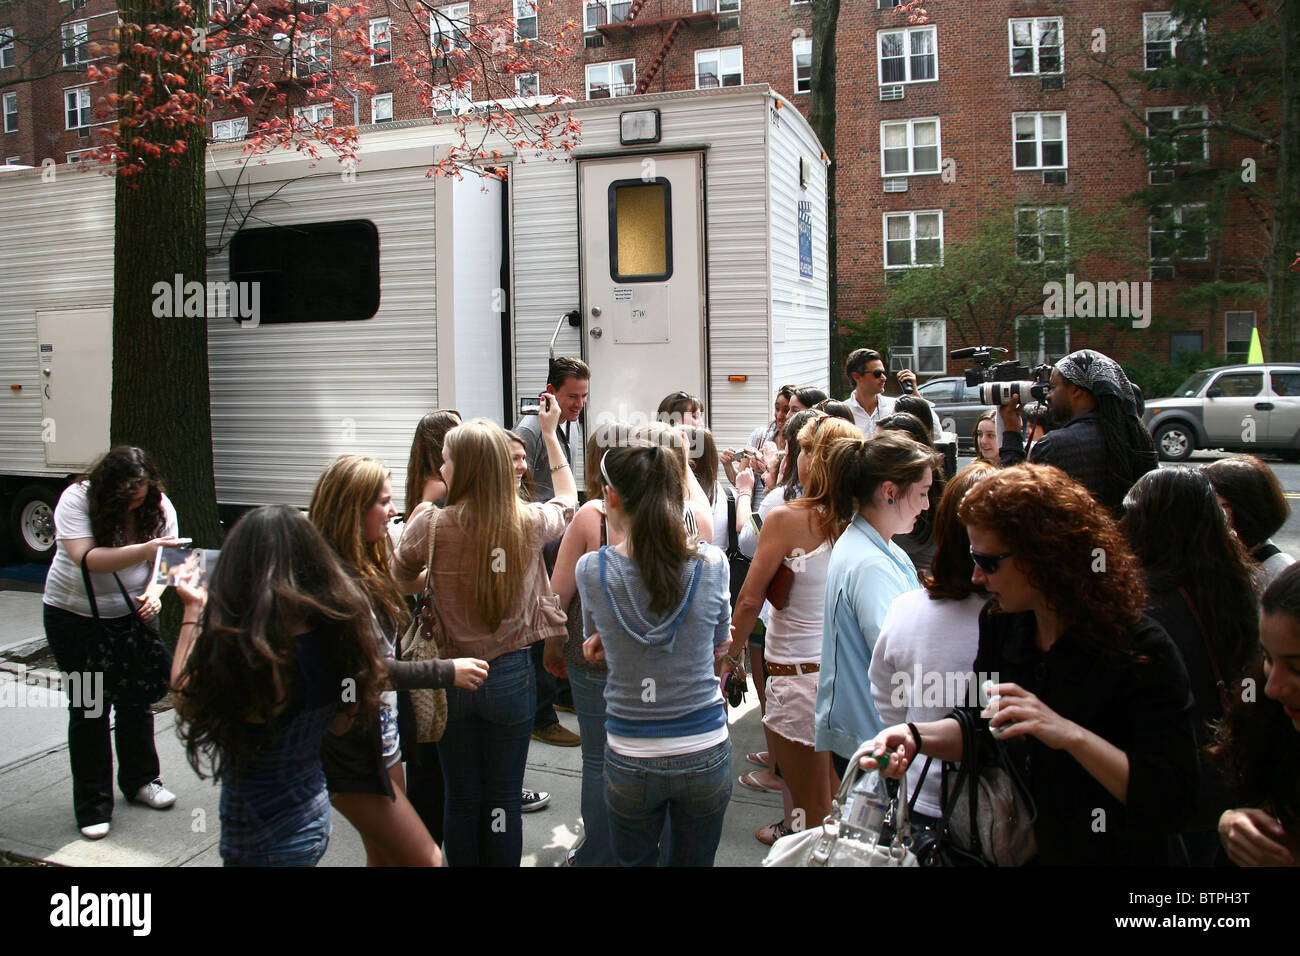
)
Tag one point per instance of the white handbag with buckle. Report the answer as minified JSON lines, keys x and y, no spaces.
{"x":831,"y":845}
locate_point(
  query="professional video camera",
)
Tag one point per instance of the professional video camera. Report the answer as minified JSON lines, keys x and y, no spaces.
{"x":1001,"y":383}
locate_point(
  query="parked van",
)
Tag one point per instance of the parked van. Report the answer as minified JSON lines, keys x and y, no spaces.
{"x":682,"y":246}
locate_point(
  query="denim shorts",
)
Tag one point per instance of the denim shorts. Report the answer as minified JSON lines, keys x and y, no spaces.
{"x":304,"y":848}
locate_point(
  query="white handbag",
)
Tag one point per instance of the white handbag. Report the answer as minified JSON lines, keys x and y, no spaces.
{"x":829,"y":845}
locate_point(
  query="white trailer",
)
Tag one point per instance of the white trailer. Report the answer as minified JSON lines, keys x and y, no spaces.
{"x":693,"y":259}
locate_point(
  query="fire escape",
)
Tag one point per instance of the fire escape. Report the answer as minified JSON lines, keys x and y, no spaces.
{"x":626,"y":20}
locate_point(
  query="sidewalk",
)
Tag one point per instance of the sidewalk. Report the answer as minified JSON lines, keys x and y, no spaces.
{"x":36,"y":787}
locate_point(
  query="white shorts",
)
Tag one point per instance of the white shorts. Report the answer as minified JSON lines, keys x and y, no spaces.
{"x":791,"y":707}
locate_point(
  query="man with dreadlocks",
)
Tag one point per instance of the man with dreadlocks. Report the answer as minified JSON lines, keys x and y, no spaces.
{"x":1102,"y":443}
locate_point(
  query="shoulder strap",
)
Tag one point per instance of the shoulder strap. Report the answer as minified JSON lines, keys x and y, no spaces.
{"x":733,"y":540}
{"x":1265,"y":551}
{"x":90,"y":590}
{"x":1224,"y":697}
{"x":434,"y":513}
{"x":604,"y":530}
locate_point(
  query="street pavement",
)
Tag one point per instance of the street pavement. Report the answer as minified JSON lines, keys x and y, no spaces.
{"x":36,"y":819}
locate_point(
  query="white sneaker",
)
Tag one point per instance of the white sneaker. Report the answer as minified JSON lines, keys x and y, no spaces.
{"x":96,"y":831}
{"x":154,"y":795}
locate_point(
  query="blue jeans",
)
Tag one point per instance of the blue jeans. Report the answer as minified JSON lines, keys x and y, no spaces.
{"x":483,"y":753}
{"x":693,"y":789}
{"x":304,"y":848}
{"x":589,"y":702}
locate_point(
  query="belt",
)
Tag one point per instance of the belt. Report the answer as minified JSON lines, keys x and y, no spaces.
{"x":790,"y":670}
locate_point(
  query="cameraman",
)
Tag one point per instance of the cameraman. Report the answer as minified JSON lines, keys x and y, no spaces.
{"x":1102,"y":442}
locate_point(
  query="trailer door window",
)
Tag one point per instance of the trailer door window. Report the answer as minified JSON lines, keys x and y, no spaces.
{"x":640,"y":230}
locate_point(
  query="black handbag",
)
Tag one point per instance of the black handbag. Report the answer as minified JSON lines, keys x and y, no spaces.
{"x":135,"y":662}
{"x":736,"y":558}
{"x":988,"y":811}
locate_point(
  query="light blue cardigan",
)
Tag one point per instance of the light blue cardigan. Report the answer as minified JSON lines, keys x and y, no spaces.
{"x":864,"y":577}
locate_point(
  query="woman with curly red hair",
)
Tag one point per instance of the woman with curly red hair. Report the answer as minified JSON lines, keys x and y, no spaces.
{"x":1093,"y":701}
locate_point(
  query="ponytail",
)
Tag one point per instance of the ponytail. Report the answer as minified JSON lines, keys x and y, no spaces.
{"x":649,"y":481}
{"x":858,"y":467}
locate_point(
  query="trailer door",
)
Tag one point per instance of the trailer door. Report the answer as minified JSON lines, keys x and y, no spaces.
{"x":643,"y":282}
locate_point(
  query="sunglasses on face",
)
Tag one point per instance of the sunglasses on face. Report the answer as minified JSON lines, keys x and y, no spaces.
{"x":880,"y":373}
{"x":988,"y":563}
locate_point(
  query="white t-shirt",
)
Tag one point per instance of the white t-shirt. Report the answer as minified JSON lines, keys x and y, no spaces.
{"x":920,"y":670}
{"x":64,"y":587}
{"x":866,"y":421}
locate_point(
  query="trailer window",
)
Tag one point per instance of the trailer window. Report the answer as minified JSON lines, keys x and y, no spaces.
{"x":316,"y":272}
{"x":640,"y":230}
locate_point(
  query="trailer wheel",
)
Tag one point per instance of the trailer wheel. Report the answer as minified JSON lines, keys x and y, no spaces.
{"x":31,"y":523}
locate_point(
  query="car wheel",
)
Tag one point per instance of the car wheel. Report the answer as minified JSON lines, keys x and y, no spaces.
{"x":31,"y":523}
{"x":1175,"y":442}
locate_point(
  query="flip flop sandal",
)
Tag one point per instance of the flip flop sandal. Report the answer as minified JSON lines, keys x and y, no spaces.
{"x":750,"y":781}
{"x":772,"y":832}
{"x":760,"y":759}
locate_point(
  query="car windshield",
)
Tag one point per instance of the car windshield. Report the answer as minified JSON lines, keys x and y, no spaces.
{"x":1193,"y":385}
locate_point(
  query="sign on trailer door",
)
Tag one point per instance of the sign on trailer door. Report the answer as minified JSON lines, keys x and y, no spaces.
{"x":643,"y":283}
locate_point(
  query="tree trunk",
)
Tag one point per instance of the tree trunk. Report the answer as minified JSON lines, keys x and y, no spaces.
{"x":160,"y":363}
{"x":821,"y":116}
{"x":1283,"y":295}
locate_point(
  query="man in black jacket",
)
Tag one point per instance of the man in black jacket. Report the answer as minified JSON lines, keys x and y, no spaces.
{"x":1103,"y":444}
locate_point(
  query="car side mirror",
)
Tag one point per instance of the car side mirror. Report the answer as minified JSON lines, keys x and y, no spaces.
{"x":1214,"y":392}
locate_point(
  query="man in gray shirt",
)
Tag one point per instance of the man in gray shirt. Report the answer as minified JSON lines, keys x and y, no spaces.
{"x":567,"y":381}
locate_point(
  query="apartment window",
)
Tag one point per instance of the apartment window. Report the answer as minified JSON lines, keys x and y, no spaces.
{"x":617,"y":78}
{"x":381,"y":39}
{"x":215,"y":6}
{"x":909,"y":148}
{"x":228,"y":130}
{"x":448,"y":26}
{"x":1162,"y":34}
{"x":802,"y":66}
{"x":319,"y":114}
{"x":314,"y":53}
{"x":80,"y":155}
{"x":13,"y":160}
{"x":528,"y":84}
{"x":6,"y":47}
{"x":449,"y":101}
{"x":908,"y":56}
{"x":1237,"y":327}
{"x":717,"y":6}
{"x":525,"y":19}
{"x":1039,"y":140}
{"x":76,"y":43}
{"x":11,"y":112}
{"x":600,"y":12}
{"x":1181,"y":148}
{"x":1185,"y":343}
{"x":76,"y":105}
{"x":381,"y":108}
{"x":226,"y":62}
{"x":913,"y":239}
{"x":1041,"y":234}
{"x":1040,"y":340}
{"x":1179,"y":232}
{"x":715,"y":68}
{"x":919,"y":344}
{"x":1035,"y":45}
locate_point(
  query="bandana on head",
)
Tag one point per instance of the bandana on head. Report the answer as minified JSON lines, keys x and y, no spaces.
{"x":1100,"y":375}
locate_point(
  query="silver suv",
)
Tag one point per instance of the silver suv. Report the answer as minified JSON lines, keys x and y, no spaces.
{"x":1252,"y":408}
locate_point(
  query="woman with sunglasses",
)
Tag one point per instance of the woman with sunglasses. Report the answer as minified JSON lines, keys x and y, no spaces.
{"x":880,"y":486}
{"x":681,"y":408}
{"x":1093,"y":703}
{"x":656,"y":608}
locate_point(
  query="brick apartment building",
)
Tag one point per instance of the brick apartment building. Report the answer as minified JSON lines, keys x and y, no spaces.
{"x":986,"y":107}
